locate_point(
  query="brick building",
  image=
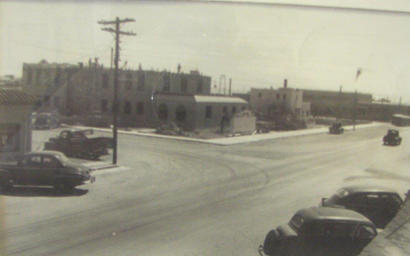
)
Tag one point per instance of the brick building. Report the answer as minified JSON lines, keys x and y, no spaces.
{"x":84,"y":89}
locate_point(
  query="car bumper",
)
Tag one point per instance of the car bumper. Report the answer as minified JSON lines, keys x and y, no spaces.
{"x":90,"y":180}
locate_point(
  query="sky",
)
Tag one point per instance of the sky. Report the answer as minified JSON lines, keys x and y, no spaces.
{"x":257,"y":45}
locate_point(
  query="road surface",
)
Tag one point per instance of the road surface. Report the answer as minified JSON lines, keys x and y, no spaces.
{"x":184,"y":198}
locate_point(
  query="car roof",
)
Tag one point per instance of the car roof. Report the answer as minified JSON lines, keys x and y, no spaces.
{"x":330,"y":213}
{"x":368,"y":189}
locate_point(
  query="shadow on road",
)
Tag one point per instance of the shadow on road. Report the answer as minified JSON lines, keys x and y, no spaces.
{"x":38,"y":192}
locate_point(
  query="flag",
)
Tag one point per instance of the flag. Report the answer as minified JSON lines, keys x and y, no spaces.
{"x":358,"y":73}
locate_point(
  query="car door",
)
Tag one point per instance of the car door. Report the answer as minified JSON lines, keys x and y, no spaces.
{"x":50,"y":167}
{"x":29,"y":174}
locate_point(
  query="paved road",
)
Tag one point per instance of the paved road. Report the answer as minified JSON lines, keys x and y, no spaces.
{"x":184,"y":198}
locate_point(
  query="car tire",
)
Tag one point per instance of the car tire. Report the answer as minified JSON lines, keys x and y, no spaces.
{"x":6,"y":185}
{"x":270,"y":243}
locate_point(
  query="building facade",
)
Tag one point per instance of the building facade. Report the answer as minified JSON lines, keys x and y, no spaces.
{"x":15,"y":123}
{"x":81,"y":90}
{"x":277,"y":103}
{"x":196,"y":112}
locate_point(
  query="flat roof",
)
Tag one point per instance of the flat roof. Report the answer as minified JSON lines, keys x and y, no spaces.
{"x":15,"y":97}
{"x":218,"y":99}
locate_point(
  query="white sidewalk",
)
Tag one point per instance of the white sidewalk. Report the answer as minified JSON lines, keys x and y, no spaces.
{"x":232,"y":140}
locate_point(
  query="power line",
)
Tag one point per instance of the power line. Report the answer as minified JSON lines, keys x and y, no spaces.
{"x":117,"y":32}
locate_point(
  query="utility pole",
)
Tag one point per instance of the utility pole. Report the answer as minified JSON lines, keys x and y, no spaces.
{"x":117,"y":32}
{"x":354,"y":110}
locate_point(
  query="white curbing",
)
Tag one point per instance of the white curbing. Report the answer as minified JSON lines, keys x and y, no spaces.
{"x":235,"y":140}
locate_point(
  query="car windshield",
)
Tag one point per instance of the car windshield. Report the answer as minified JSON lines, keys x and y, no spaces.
{"x":213,"y":121}
{"x":336,"y":198}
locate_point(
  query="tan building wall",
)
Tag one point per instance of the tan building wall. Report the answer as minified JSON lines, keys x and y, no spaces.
{"x":86,"y":89}
{"x":272,"y":102}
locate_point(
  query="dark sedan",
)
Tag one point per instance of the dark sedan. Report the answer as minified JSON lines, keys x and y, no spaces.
{"x":45,"y":168}
{"x":379,"y":204}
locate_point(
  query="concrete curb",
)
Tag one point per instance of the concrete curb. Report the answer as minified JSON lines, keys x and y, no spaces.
{"x":237,"y":139}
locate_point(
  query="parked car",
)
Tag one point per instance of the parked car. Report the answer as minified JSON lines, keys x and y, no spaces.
{"x":45,"y":168}
{"x":45,"y":121}
{"x":378,"y":204}
{"x":336,"y":128}
{"x":320,"y":231}
{"x":79,"y":144}
{"x":392,"y":138}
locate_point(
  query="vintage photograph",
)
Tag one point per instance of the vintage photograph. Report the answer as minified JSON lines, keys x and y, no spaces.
{"x":205,"y":128}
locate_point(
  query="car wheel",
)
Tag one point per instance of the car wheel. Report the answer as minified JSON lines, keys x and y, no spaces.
{"x":6,"y":186}
{"x":271,"y":243}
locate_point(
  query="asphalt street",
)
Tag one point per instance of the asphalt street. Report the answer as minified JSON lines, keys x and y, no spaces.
{"x":185,"y":198}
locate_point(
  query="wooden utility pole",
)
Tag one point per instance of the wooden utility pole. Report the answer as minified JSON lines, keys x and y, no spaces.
{"x":117,"y":32}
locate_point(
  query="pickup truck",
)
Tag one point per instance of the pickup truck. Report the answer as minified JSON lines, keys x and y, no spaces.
{"x":44,"y":168}
{"x":79,"y":144}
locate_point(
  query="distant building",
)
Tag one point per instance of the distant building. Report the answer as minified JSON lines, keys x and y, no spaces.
{"x":15,"y":123}
{"x":277,"y":103}
{"x":10,"y":82}
{"x":196,"y":112}
{"x":334,"y":103}
{"x":80,"y":90}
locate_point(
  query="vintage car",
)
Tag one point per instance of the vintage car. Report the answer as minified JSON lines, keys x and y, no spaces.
{"x":45,"y":121}
{"x":336,"y":128}
{"x":379,"y":204}
{"x":392,"y":138}
{"x":44,"y":168}
{"x":320,"y":231}
{"x":79,"y":144}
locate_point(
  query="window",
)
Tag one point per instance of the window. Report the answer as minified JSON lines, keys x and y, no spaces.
{"x":199,"y":86}
{"x":184,"y":84}
{"x":9,"y":138}
{"x":277,"y":96}
{"x":225,"y":110}
{"x":365,"y":232}
{"x":163,"y":112}
{"x":141,"y":81}
{"x":105,"y":80}
{"x":140,"y":108}
{"x":127,"y":108}
{"x":167,"y":82}
{"x":260,"y":95}
{"x":56,"y":101}
{"x":284,"y":96}
{"x":129,"y":81}
{"x":104,"y":106}
{"x":233,"y":110}
{"x":50,"y":162}
{"x":180,"y":113}
{"x":34,"y":161}
{"x":29,"y":76}
{"x":47,"y":100}
{"x":208,"y":112}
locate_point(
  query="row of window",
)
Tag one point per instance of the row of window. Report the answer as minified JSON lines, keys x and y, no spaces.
{"x":141,"y":83}
{"x":127,"y":108}
{"x":277,"y":96}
